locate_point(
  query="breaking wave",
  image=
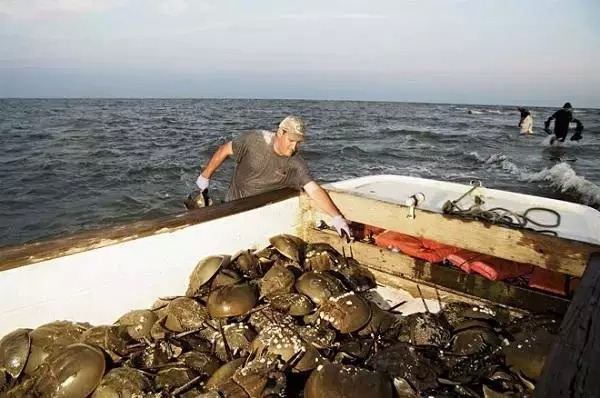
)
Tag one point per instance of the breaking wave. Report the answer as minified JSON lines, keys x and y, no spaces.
{"x":564,"y":179}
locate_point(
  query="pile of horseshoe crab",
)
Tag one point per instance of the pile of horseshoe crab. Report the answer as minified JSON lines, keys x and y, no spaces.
{"x":294,"y":319}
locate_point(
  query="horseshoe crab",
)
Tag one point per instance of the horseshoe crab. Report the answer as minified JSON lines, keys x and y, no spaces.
{"x":321,"y":257}
{"x":278,"y":280}
{"x":359,"y":278}
{"x":237,"y":336}
{"x":527,"y":354}
{"x":113,"y":339}
{"x":14,"y":351}
{"x":204,"y":272}
{"x":155,"y":355}
{"x":138,"y":323}
{"x":74,"y":371}
{"x":123,"y":383}
{"x":224,"y":373}
{"x":477,"y":339}
{"x":277,"y":341}
{"x":319,"y":286}
{"x":256,"y":378}
{"x":225,"y":277}
{"x":247,"y":264}
{"x":289,"y":246}
{"x":201,"y":362}
{"x":294,"y":304}
{"x":231,"y":300}
{"x":173,"y":377}
{"x":347,"y":313}
{"x":49,"y":338}
{"x":406,"y":362}
{"x":336,"y":380}
{"x":424,"y":328}
{"x":185,"y":313}
{"x":381,"y":321}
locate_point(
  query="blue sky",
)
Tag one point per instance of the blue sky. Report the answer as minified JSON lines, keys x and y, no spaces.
{"x":536,"y":52}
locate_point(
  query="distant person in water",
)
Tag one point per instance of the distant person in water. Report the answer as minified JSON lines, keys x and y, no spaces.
{"x":562,"y":118}
{"x":526,"y":121}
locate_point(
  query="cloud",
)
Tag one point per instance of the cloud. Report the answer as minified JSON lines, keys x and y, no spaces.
{"x":34,"y":9}
{"x":304,"y":16}
{"x":172,"y":7}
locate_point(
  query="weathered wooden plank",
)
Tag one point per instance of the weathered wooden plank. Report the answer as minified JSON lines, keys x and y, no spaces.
{"x":558,"y":254}
{"x":19,"y":255}
{"x":571,"y":368}
{"x":447,"y":278}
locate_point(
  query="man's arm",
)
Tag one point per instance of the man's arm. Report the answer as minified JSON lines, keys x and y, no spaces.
{"x":217,"y":159}
{"x":322,"y":198}
{"x":324,"y":201}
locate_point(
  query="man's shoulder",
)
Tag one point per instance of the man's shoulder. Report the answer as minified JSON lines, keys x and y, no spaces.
{"x":255,"y":137}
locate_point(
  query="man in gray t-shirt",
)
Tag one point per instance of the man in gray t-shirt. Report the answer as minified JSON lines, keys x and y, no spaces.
{"x":266,"y":161}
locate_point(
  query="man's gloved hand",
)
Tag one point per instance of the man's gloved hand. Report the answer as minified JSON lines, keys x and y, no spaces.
{"x":341,"y":226}
{"x":202,"y":183}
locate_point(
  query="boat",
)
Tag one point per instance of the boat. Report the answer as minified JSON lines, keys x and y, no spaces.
{"x":96,"y":276}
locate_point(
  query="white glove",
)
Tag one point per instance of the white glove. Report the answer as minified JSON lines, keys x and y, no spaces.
{"x":202,"y":183}
{"x":341,"y":226}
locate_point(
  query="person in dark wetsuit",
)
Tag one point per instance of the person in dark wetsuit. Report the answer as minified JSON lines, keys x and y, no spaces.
{"x":562,"y":118}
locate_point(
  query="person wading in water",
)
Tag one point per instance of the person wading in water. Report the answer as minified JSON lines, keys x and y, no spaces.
{"x":562,"y":118}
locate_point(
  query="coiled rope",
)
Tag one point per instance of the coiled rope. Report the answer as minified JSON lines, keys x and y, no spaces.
{"x":501,"y":215}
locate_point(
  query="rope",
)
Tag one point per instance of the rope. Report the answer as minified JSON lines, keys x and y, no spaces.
{"x":502,"y":216}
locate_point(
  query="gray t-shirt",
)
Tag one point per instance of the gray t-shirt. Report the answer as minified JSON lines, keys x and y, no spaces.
{"x":259,"y":169}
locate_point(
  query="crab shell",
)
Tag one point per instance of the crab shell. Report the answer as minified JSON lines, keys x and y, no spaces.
{"x":74,"y":371}
{"x":201,"y":362}
{"x":278,"y":280}
{"x":113,"y":339}
{"x":334,"y":380}
{"x":138,"y":323}
{"x":123,"y":382}
{"x":347,"y":313}
{"x":204,"y":271}
{"x":277,"y":341}
{"x":48,"y":338}
{"x":247,"y":264}
{"x":319,"y":286}
{"x":424,"y":328}
{"x":231,"y":300}
{"x":294,"y":304}
{"x":173,"y":377}
{"x":238,"y":337}
{"x":224,"y":373}
{"x":289,"y":246}
{"x":528,"y":353}
{"x":380,"y":321}
{"x":185,"y":313}
{"x":14,"y":351}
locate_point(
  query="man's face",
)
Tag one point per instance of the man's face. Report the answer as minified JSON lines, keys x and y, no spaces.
{"x":287,"y":145}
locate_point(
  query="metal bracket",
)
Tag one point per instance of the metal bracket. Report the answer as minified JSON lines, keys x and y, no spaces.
{"x":412,"y":202}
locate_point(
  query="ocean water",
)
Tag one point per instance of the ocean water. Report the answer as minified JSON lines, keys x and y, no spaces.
{"x":69,"y":165}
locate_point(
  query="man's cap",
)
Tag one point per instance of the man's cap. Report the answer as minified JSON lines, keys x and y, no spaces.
{"x":567,"y":105}
{"x":295,"y":126}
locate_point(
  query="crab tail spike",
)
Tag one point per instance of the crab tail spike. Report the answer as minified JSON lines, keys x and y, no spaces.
{"x":351,"y":254}
{"x":225,"y":343}
{"x":392,"y":308}
{"x":422,"y":299}
{"x":294,"y":360}
{"x":439,"y":299}
{"x":186,"y":386}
